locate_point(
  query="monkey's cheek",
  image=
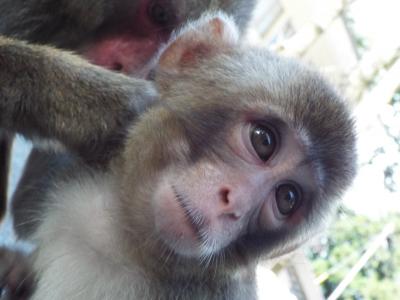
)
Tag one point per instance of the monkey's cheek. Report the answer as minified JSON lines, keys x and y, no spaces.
{"x":171,"y":223}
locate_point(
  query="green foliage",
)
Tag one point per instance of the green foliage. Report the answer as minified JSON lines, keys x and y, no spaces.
{"x":347,"y":240}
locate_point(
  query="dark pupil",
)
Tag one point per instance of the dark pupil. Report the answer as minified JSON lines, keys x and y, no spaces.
{"x":263,"y":141}
{"x":287,"y":199}
{"x":159,"y":14}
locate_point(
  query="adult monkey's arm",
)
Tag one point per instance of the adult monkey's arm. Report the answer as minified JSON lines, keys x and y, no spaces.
{"x":50,"y":94}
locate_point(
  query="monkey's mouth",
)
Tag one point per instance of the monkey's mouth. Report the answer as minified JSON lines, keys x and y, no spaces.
{"x":194,"y":218}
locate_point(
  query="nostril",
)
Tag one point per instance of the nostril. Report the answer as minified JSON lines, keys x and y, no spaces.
{"x":224,"y":196}
{"x":227,"y":208}
{"x":117,"y":67}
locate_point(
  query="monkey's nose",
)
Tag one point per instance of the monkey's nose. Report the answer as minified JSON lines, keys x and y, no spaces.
{"x":228,"y":206}
{"x":117,"y":66}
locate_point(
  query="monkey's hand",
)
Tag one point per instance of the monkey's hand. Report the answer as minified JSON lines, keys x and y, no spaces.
{"x":16,"y":278}
{"x":53,"y":95}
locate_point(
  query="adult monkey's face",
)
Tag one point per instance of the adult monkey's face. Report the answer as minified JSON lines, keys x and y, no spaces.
{"x":121,"y":35}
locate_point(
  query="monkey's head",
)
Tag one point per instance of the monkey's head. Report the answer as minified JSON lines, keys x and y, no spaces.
{"x":121,"y":35}
{"x":127,"y":34}
{"x":244,"y":157}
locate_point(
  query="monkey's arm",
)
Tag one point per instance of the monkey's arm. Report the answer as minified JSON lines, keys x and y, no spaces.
{"x":50,"y":94}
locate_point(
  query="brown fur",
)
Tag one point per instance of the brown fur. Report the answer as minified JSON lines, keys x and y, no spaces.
{"x":48,"y":101}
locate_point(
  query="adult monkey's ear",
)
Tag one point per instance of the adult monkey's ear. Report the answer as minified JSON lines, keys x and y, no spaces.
{"x":212,"y":34}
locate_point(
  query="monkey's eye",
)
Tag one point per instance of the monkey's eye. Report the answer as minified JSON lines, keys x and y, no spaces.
{"x":160,"y":13}
{"x":288,"y":198}
{"x":264,"y":141}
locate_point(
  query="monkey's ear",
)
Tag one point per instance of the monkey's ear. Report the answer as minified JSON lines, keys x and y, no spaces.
{"x":205,"y":38}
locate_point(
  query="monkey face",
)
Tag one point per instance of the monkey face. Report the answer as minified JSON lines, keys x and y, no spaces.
{"x":262,"y":184}
{"x":131,"y":35}
{"x":121,"y":35}
{"x":235,"y":176}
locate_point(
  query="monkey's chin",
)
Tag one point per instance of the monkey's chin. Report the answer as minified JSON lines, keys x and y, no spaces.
{"x":172,"y":224}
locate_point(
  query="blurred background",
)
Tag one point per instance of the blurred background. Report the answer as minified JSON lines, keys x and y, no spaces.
{"x":356,"y":44}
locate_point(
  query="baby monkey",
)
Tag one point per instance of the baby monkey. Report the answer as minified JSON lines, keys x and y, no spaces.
{"x":239,"y":161}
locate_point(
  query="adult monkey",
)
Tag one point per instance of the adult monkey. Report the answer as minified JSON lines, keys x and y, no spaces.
{"x":121,"y":35}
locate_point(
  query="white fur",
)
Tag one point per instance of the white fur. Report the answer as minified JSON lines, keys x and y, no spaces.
{"x":76,"y":258}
